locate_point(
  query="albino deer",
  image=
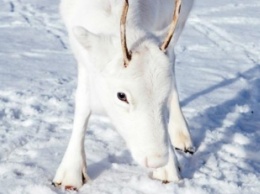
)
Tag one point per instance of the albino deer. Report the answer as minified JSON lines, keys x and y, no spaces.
{"x":126,"y":70}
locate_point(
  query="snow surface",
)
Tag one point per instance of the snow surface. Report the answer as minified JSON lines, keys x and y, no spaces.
{"x":218,"y":73}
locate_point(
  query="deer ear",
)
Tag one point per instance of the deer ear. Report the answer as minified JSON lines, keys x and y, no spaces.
{"x":84,"y":37}
{"x":99,"y":48}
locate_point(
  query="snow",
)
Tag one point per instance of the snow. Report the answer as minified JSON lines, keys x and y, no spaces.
{"x":218,"y":68}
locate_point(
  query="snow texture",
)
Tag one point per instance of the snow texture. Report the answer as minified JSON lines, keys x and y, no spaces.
{"x":218,"y":75}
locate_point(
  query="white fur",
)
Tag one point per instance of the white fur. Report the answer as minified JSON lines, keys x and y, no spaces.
{"x":148,"y":82}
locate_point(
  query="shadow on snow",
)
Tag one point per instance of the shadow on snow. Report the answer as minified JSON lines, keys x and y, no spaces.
{"x":247,"y":124}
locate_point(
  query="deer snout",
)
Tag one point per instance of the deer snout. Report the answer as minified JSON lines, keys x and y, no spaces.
{"x":156,"y":160}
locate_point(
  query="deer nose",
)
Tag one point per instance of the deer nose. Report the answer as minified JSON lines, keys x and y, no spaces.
{"x":156,"y":160}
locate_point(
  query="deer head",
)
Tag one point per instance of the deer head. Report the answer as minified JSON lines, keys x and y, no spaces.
{"x":134,"y":87}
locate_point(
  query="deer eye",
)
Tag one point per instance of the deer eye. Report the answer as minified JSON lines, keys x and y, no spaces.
{"x":121,"y":96}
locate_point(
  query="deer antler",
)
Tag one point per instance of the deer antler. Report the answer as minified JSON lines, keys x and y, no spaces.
{"x":126,"y":53}
{"x":167,"y":40}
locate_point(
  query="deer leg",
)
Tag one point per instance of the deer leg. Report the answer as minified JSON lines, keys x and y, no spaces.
{"x":72,"y":171}
{"x":178,"y":127}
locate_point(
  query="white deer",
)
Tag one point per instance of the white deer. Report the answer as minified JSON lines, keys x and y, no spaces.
{"x":125,"y":71}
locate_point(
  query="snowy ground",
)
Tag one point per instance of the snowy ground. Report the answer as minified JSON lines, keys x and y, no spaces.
{"x":218,"y":73}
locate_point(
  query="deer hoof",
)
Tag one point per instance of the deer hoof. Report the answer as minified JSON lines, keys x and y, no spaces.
{"x":190,"y":150}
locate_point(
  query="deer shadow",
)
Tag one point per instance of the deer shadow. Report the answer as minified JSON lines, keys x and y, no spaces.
{"x":246,"y":123}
